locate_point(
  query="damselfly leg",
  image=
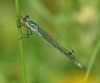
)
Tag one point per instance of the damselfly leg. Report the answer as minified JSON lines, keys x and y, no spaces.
{"x":18,"y":22}
{"x":28,"y":30}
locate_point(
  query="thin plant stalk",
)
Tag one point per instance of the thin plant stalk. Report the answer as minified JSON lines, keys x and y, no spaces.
{"x":20,"y":41}
{"x":92,"y":61}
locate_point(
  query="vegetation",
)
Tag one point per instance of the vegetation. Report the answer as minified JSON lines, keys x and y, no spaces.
{"x":74,"y":23}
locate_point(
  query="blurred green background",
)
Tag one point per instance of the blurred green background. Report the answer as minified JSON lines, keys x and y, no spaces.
{"x":73,"y":23}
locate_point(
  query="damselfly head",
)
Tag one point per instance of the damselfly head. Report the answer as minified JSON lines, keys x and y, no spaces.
{"x":26,"y":18}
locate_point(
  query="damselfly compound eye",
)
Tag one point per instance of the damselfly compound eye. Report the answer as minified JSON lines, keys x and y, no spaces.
{"x":25,"y":18}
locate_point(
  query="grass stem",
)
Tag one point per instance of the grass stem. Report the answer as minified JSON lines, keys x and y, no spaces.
{"x":20,"y":41}
{"x":91,"y":63}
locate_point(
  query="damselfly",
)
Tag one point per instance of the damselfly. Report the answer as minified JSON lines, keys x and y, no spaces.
{"x":33,"y":27}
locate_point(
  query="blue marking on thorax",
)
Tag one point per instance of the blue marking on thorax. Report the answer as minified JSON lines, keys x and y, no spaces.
{"x":33,"y":26}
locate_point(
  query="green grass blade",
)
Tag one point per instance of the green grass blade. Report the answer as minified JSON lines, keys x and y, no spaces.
{"x":92,"y":60}
{"x":22,"y":60}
